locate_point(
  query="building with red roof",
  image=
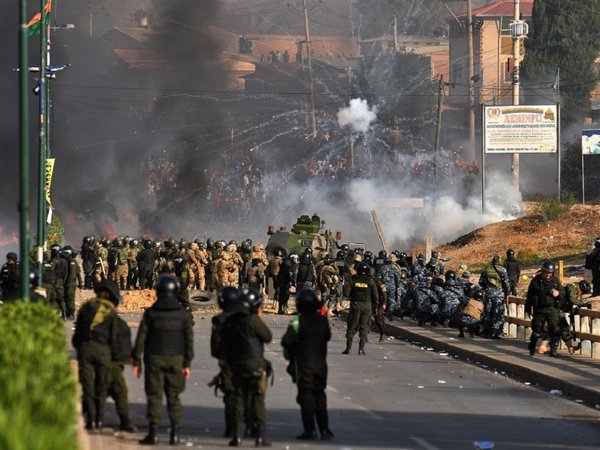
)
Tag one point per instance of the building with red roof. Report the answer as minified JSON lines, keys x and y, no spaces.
{"x":493,"y":54}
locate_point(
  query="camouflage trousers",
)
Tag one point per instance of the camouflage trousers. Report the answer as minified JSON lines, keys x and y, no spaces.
{"x":122,"y":273}
{"x":493,"y":312}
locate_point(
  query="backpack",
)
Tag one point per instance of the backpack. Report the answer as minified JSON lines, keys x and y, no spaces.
{"x":122,"y":354}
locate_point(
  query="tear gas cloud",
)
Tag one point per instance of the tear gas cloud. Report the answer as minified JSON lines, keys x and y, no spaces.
{"x":358,"y":116}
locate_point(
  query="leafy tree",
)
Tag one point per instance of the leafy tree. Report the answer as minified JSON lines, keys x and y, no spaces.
{"x":564,"y":35}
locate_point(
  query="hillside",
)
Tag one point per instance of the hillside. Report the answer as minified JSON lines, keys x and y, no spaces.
{"x":531,"y":236}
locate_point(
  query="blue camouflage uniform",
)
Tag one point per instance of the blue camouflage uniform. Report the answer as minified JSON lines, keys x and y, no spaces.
{"x":494,"y":280}
{"x":391,"y":280}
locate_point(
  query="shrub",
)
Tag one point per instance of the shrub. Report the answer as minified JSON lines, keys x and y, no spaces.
{"x":37,"y":388}
{"x":551,"y":208}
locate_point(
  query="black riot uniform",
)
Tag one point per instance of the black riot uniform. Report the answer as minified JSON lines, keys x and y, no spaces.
{"x":305,"y":346}
{"x":244,"y":337}
{"x":543,"y":299}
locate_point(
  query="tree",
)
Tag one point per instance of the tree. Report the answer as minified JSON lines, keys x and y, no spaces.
{"x":564,"y":35}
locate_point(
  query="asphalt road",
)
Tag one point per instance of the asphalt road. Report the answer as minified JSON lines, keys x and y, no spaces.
{"x":398,"y":396}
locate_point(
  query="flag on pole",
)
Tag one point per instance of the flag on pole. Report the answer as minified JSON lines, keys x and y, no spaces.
{"x":34,"y":26}
{"x":556,"y":83}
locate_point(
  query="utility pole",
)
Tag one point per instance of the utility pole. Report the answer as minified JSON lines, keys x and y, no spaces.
{"x":395,"y":33}
{"x":91,"y":19}
{"x":471,"y":62}
{"x":310,"y":73}
{"x":438,"y":128}
{"x":516,"y":88}
{"x":24,"y":151}
{"x":43,"y":97}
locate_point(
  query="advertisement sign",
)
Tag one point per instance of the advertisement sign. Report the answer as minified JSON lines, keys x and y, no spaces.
{"x":520,"y":129}
{"x":590,"y":142}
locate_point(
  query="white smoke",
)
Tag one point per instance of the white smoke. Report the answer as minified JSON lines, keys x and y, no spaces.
{"x":358,"y":116}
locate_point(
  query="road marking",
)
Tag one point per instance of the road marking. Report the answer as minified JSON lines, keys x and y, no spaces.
{"x":423,"y":443}
{"x":370,"y":413}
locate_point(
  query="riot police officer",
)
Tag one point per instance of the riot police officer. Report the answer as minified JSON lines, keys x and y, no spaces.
{"x":305,"y":345}
{"x":244,"y":337}
{"x":361,"y":291}
{"x":543,"y":299}
{"x":166,"y":339}
{"x":227,"y":298}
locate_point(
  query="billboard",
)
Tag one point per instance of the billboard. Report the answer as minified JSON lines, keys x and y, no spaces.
{"x":590,"y":142}
{"x":520,"y":129}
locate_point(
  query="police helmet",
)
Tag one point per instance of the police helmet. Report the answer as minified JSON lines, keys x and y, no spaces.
{"x":178,"y":261}
{"x":127,"y":239}
{"x":34,"y":276}
{"x":147,"y":244}
{"x":305,"y":258}
{"x":12,"y":256}
{"x":327,"y":260}
{"x":387,"y":260}
{"x":251,"y":299}
{"x":421,"y":257}
{"x":87,"y":240}
{"x":278,"y":252}
{"x":111,"y":288}
{"x":360,"y":251}
{"x":118,"y":242}
{"x":435,"y":255}
{"x":341,"y":255}
{"x":368,"y":254}
{"x":67,"y":252}
{"x":220,"y":244}
{"x":167,"y":285}
{"x":308,"y":251}
{"x":585,"y":287}
{"x":135,"y":243}
{"x":382,"y":254}
{"x":344,"y":247}
{"x":294,"y":257}
{"x":510,"y":254}
{"x":54,"y":250}
{"x":210,"y":243}
{"x":246,"y":246}
{"x":549,"y":267}
{"x":477,"y":293}
{"x":307,"y":301}
{"x":362,"y":268}
{"x":183,"y":243}
{"x":227,"y":297}
{"x":450,"y":275}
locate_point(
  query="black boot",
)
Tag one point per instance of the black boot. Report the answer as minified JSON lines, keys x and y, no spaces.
{"x":151,"y":438}
{"x":348,"y":347}
{"x":89,"y":423}
{"x":174,"y":436}
{"x":261,"y":441}
{"x":235,"y":441}
{"x":532,"y":345}
{"x":326,"y":435}
{"x":554,"y":348}
{"x":361,"y":347}
{"x":380,"y":337}
{"x":126,"y":424}
{"x":307,"y":435}
{"x":461,"y":332}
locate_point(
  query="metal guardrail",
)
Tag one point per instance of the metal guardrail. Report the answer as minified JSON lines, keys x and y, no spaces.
{"x":587,"y":326}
